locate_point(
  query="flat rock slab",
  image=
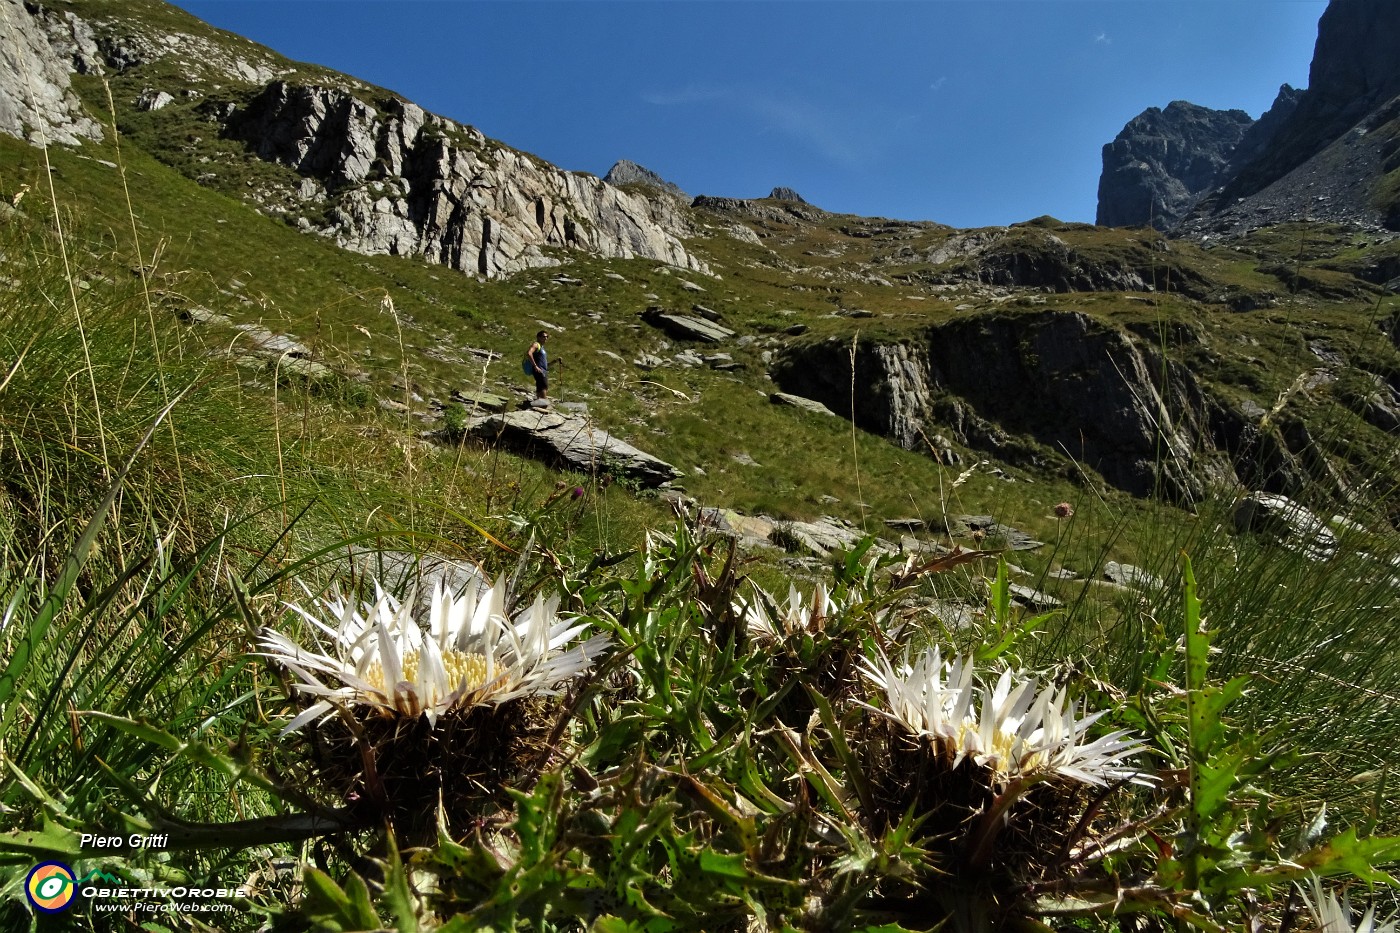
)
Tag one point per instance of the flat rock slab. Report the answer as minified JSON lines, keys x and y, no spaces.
{"x":1128,"y":575}
{"x":686,"y":327}
{"x":797,"y":401}
{"x":261,"y":340}
{"x":295,"y":367}
{"x":824,"y":535}
{"x":820,"y":537}
{"x":1033,"y":599}
{"x":1288,"y":523}
{"x":403,"y":572}
{"x":576,"y":444}
{"x":486,"y":401}
{"x":1016,"y":540}
{"x":204,"y":317}
{"x":751,"y":530}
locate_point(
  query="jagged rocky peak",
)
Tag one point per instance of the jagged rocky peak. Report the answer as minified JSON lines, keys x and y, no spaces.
{"x":625,"y":172}
{"x":786,"y":194}
{"x":1164,"y":161}
{"x":1318,"y":155}
{"x":1331,"y":136}
{"x":1257,"y":138}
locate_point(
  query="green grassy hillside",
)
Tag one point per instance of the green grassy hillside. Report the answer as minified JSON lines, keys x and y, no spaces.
{"x":730,"y":760}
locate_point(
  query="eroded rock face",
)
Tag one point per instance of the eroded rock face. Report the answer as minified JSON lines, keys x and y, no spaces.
{"x":392,"y":178}
{"x":405,"y":182}
{"x":37,"y":102}
{"x":1028,"y":386}
{"x":1164,"y":160}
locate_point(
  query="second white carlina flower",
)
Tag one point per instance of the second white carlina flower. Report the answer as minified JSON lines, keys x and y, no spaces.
{"x":1014,"y":730}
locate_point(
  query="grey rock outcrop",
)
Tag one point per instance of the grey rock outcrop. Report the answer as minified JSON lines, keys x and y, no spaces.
{"x":152,"y":99}
{"x":576,"y":444}
{"x":37,"y":102}
{"x":405,"y":182}
{"x":1287,"y":522}
{"x":786,"y":211}
{"x":686,"y":327}
{"x":389,"y":177}
{"x":1027,"y":387}
{"x":624,"y":172}
{"x":1035,"y":255}
{"x":1164,"y":160}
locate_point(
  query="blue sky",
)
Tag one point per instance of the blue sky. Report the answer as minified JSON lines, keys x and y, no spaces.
{"x":967,"y":112}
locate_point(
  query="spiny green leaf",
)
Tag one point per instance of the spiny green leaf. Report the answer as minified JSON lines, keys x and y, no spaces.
{"x":398,"y":896}
{"x":50,"y":841}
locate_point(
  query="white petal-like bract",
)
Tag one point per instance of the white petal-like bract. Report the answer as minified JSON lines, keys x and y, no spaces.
{"x":468,"y":653}
{"x":1013,"y":729}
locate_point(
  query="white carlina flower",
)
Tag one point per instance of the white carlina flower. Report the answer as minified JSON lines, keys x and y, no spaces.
{"x":472,"y":653}
{"x":1013,"y":730}
{"x":1334,"y":916}
{"x":799,"y":615}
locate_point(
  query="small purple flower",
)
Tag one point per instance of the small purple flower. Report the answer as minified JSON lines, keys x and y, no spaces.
{"x":578,"y":492}
{"x":1064,"y":510}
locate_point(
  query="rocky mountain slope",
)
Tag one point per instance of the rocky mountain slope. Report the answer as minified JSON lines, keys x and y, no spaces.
{"x":1164,"y":161}
{"x":1330,"y":153}
{"x":367,"y":169}
{"x":1068,"y":355}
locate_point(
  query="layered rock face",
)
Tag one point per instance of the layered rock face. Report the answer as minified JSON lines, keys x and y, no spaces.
{"x":390,"y":177}
{"x":1161,"y":163}
{"x":406,"y":182}
{"x":1015,"y":385}
{"x":37,"y":59}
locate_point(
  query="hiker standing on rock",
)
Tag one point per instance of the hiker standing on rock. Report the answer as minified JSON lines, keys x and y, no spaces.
{"x":537,"y":364}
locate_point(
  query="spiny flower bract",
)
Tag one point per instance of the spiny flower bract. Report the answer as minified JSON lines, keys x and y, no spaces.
{"x":1013,"y":730}
{"x":471,"y":654}
{"x":1334,"y":916}
{"x":798,"y":615}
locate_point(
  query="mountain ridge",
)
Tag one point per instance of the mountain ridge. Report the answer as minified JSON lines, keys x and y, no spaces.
{"x":1329,"y":153}
{"x":359,"y":167}
{"x":467,"y":202}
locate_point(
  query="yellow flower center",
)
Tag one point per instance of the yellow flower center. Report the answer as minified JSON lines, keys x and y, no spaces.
{"x":462,"y":667}
{"x":1002,"y":753}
